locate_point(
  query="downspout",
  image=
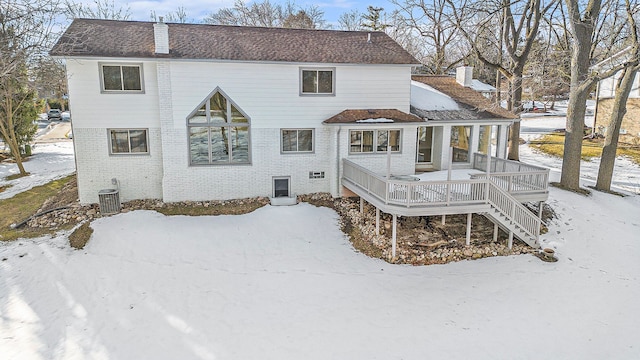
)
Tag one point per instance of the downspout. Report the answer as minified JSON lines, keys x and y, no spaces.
{"x":338,"y":161}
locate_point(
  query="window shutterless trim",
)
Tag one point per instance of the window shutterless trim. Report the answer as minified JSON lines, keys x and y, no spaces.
{"x":313,"y":141}
{"x":375,"y":142}
{"x":120,"y":64}
{"x":317,"y":69}
{"x":226,"y":125}
{"x":129,"y":153}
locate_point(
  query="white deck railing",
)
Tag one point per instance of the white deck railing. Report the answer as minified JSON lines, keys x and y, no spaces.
{"x":512,"y":176}
{"x":416,"y":193}
{"x":443,"y":193}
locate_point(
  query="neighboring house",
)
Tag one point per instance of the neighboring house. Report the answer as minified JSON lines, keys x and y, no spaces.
{"x":605,"y":95}
{"x":201,"y":112}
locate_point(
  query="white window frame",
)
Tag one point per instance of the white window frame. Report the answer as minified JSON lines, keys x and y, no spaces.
{"x":129,"y":153}
{"x":101,"y":66}
{"x":317,"y":69}
{"x":297,"y":130}
{"x":273,"y":184}
{"x":226,"y":125}
{"x":375,"y":142}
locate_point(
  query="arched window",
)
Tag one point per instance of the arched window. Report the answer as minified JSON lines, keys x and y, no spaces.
{"x":218,"y":132}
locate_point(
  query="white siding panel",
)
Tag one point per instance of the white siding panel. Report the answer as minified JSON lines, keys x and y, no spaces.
{"x":92,"y":109}
{"x":269,"y":93}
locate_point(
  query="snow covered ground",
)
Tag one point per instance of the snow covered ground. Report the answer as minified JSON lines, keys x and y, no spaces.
{"x":49,"y":162}
{"x":626,"y":175}
{"x":285,"y":283}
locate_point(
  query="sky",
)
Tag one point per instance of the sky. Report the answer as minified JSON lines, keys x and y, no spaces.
{"x":199,"y":9}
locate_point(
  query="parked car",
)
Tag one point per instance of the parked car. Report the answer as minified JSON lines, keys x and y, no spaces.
{"x":54,"y":114}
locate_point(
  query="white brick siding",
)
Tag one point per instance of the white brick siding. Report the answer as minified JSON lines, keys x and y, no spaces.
{"x":140,"y":176}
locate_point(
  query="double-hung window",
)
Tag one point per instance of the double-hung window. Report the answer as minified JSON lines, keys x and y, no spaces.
{"x":319,"y":81}
{"x":297,"y":140}
{"x":218,"y":132}
{"x":128,"y":141}
{"x":374,"y":141}
{"x":121,"y":78}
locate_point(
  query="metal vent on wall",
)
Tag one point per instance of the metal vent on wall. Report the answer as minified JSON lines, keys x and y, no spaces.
{"x":316,"y":174}
{"x":109,"y":200}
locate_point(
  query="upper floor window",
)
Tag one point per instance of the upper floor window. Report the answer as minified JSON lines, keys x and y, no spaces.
{"x":297,"y":140}
{"x":317,"y":81}
{"x":121,"y":78}
{"x":128,"y":141}
{"x":218,"y":132}
{"x":374,"y":141}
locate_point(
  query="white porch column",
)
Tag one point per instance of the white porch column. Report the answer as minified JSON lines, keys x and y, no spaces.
{"x":510,"y":243}
{"x":503,"y":141}
{"x":468,"y":229}
{"x":377,"y":221}
{"x":393,"y":236}
{"x":495,"y":232}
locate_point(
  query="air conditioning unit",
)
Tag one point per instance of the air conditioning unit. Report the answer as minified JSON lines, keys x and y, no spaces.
{"x":109,"y":200}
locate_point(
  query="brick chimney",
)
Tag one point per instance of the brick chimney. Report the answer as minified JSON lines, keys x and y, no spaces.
{"x":161,"y":36}
{"x":464,"y":75}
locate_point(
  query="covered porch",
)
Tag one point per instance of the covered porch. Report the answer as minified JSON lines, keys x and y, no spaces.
{"x":496,"y":188}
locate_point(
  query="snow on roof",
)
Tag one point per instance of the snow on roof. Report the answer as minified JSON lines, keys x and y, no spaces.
{"x":478,"y":85}
{"x":425,"y":97}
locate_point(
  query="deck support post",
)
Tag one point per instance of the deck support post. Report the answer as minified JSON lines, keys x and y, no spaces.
{"x":443,"y":219}
{"x":377,"y":221}
{"x":540,"y":207}
{"x":361,"y":205}
{"x":495,"y":232}
{"x":510,"y":243}
{"x":393,"y":236}
{"x":469,"y":229}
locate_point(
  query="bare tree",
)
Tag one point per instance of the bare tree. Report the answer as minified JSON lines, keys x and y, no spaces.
{"x":267,"y":14}
{"x":179,"y":16}
{"x":595,"y":32}
{"x":619,"y":109}
{"x":350,"y":20}
{"x":517,"y":22}
{"x":25,"y":33}
{"x":99,"y":9}
{"x":431,"y":20}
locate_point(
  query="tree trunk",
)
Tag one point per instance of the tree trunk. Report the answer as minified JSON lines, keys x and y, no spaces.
{"x":515,"y":98}
{"x":608,"y":158}
{"x":580,"y":86}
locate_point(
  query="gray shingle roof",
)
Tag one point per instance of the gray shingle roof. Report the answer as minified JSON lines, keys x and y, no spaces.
{"x":111,"y":38}
{"x":371,"y":115}
{"x":473,"y":104}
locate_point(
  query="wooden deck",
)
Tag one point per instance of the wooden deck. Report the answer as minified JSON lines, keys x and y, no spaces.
{"x":498,"y":196}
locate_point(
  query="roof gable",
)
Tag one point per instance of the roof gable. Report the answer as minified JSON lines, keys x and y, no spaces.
{"x":111,"y":38}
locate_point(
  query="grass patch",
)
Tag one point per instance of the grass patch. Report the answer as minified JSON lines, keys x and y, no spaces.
{"x":237,"y":208}
{"x":25,"y":204}
{"x":580,"y":191}
{"x":16,"y":176}
{"x":611,"y":192}
{"x":80,"y":236}
{"x":5,"y":187}
{"x":553,"y":144}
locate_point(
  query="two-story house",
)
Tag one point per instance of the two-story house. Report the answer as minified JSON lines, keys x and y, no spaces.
{"x":208,"y":112}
